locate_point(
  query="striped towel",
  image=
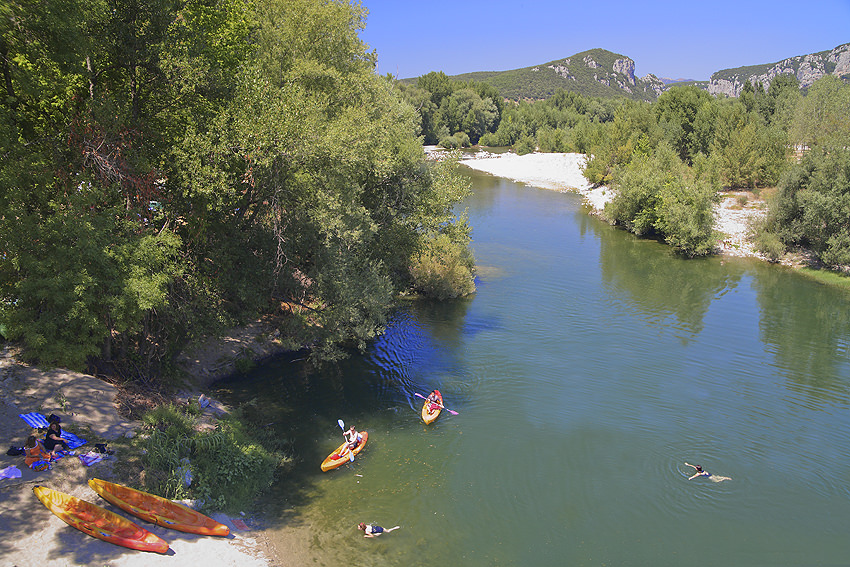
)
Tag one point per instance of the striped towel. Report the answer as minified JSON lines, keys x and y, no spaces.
{"x":38,"y":420}
{"x":90,"y":458}
{"x":34,"y":419}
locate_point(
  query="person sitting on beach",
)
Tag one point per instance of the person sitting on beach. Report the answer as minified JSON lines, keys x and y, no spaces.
{"x":700,"y":472}
{"x":53,"y":439}
{"x":352,"y":437}
{"x":34,"y":452}
{"x":373,"y":530}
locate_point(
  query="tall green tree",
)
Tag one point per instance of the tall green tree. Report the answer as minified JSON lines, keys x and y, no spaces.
{"x":181,"y":165}
{"x":676,"y":110}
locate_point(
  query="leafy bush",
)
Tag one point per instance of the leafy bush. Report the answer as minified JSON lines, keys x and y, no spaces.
{"x":661,"y":196}
{"x":812,"y":206}
{"x":224,"y":467}
{"x":525,"y":145}
{"x":443,"y":269}
{"x":457,"y":140}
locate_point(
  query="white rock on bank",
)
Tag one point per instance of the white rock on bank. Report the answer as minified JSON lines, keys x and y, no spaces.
{"x":557,"y":171}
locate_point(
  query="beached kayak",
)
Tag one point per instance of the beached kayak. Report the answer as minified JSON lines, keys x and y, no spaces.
{"x":429,"y":416}
{"x":336,"y":459}
{"x":99,"y":522}
{"x":158,"y":510}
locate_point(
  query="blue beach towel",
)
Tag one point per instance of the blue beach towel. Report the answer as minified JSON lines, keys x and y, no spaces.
{"x":34,"y":419}
{"x":38,"y":420}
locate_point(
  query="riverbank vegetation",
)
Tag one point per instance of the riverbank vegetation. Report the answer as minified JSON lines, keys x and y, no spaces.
{"x":666,"y":160}
{"x":170,"y":169}
{"x":223,"y":467}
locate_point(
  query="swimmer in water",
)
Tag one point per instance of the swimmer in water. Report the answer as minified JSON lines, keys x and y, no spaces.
{"x":700,"y":472}
{"x":374,"y":530}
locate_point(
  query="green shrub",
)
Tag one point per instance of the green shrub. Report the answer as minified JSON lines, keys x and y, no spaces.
{"x":660,"y":196}
{"x":457,"y":140}
{"x":231,"y":466}
{"x":443,"y":269}
{"x":525,"y":145}
{"x":226,"y":467}
{"x":769,"y":244}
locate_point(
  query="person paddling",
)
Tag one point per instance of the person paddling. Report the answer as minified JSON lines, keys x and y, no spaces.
{"x":352,"y":437}
{"x":434,"y":402}
{"x":374,"y":530}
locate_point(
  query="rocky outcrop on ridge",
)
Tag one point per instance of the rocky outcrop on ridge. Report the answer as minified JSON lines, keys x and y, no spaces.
{"x":619,"y":74}
{"x":807,"y":68}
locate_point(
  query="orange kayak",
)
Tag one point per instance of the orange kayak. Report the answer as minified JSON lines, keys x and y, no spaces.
{"x":99,"y":522}
{"x":340,"y":456}
{"x":157,"y":510}
{"x":429,"y":416}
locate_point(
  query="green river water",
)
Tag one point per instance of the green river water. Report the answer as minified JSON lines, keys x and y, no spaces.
{"x":588,"y":367}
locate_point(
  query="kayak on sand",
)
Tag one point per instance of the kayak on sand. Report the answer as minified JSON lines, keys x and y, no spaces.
{"x":99,"y":522}
{"x":158,"y":510}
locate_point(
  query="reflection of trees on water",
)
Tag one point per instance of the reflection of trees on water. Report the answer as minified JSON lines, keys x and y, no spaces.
{"x":806,"y":326}
{"x":485,"y":189}
{"x":649,"y":277}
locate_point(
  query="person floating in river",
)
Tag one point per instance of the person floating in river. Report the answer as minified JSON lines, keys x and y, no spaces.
{"x":374,"y":530}
{"x":702,"y":472}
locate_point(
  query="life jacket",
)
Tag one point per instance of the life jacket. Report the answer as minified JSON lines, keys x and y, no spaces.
{"x":35,"y":454}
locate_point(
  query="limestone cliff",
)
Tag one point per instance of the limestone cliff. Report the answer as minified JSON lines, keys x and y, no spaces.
{"x":807,"y":68}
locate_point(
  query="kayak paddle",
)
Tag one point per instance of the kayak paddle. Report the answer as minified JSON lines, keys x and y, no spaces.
{"x":418,"y":395}
{"x":342,"y":426}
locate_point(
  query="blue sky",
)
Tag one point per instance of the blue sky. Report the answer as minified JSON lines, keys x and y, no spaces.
{"x":680,"y":39}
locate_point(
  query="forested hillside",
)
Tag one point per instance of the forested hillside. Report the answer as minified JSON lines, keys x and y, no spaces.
{"x":596,"y":72}
{"x":666,"y":160}
{"x":173,"y":167}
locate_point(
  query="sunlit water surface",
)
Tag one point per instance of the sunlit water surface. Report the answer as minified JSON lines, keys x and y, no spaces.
{"x":588,"y":367}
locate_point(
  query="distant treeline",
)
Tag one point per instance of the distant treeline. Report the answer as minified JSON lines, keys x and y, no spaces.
{"x":667,"y":160}
{"x":173,"y":168}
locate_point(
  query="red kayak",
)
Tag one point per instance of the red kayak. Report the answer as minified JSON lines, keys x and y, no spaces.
{"x":99,"y":522}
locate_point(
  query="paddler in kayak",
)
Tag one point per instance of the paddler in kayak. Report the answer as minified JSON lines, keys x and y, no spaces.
{"x":352,"y":437}
{"x":434,"y":401}
{"x":373,"y":530}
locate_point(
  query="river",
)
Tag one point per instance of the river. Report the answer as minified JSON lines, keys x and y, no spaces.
{"x":587,"y":369}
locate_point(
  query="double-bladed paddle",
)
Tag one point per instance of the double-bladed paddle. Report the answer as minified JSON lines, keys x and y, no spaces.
{"x":342,"y":426}
{"x":418,"y":395}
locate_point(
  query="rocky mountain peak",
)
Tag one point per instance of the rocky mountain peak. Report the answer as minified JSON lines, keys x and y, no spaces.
{"x":807,"y":68}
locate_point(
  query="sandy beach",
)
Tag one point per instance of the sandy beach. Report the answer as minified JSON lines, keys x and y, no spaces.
{"x":563,"y":172}
{"x":33,"y":536}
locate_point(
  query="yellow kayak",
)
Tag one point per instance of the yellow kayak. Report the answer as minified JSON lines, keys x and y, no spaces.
{"x":428,"y":416}
{"x":99,"y":522}
{"x":157,"y":510}
{"x":341,"y":456}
